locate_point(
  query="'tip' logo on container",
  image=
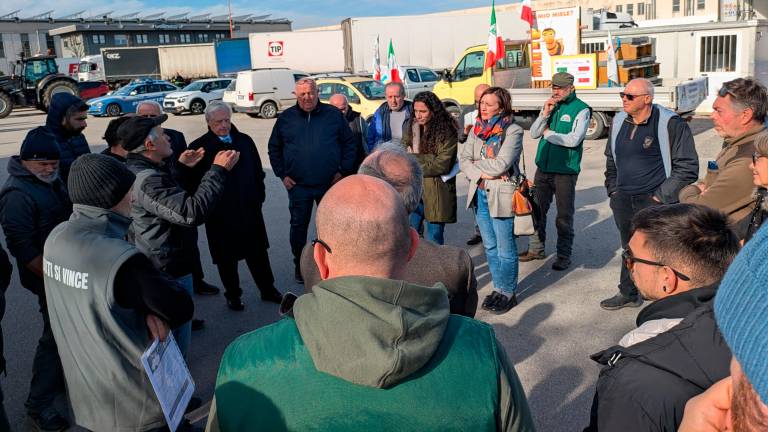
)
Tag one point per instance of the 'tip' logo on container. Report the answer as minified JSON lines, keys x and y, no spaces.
{"x":275,"y":49}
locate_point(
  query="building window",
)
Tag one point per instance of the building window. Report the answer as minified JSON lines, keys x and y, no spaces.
{"x":164,"y":38}
{"x":221,"y":35}
{"x":701,"y":4}
{"x":2,"y":49}
{"x":98,"y":39}
{"x":630,"y":9}
{"x":718,"y":54}
{"x":641,"y":9}
{"x":49,"y":44}
{"x":142,"y":39}
{"x":121,"y":40}
{"x":25,"y":45}
{"x":592,"y":47}
{"x":202,"y":37}
{"x":688,"y":7}
{"x":619,"y":8}
{"x":675,"y":5}
{"x":185,"y":38}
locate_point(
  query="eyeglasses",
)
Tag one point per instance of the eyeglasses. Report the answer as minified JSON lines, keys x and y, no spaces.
{"x":322,"y":243}
{"x":631,"y":97}
{"x":630,"y":260}
{"x":756,"y":156}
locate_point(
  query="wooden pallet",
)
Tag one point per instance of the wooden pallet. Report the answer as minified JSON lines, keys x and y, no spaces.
{"x":634,"y":52}
{"x":649,"y":71}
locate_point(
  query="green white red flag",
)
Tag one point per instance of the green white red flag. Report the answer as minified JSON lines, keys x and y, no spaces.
{"x":394,"y":69}
{"x":495,"y":44}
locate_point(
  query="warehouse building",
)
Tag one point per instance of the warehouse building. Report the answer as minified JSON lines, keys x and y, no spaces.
{"x":73,"y":36}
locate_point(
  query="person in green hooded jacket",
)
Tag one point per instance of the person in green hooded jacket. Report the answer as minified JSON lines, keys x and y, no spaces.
{"x":365,"y":350}
{"x":561,"y":127}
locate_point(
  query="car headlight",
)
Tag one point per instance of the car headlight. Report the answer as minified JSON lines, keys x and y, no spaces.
{"x":98,"y":104}
{"x":181,"y":100}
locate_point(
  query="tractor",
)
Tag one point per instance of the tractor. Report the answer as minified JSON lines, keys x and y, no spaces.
{"x":35,"y":86}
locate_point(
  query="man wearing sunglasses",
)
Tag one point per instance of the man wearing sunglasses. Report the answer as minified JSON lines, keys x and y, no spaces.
{"x":738,"y":115}
{"x":650,"y":157}
{"x":677,"y":255}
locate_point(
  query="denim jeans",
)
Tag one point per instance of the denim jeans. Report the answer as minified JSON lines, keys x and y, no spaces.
{"x":500,"y":246}
{"x":434,"y":229}
{"x":183,"y":333}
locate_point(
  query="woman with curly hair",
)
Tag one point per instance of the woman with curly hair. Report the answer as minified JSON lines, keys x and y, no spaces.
{"x":490,"y":160}
{"x":432,"y":136}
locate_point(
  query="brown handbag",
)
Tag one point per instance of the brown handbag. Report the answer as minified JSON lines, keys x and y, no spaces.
{"x":521,"y":205}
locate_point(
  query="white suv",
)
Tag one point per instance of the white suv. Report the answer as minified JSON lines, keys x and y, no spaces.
{"x":196,"y":96}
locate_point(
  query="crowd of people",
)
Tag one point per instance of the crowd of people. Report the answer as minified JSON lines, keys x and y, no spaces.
{"x":108,"y":244}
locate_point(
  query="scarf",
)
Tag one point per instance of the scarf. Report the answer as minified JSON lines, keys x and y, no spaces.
{"x":491,"y":132}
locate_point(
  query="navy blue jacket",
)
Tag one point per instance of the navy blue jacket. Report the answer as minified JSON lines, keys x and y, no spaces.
{"x":29,"y":210}
{"x":379,"y":130}
{"x":311,"y":147}
{"x":71,"y":146}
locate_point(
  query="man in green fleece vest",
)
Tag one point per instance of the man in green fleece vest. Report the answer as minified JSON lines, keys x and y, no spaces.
{"x":561,"y":125}
{"x":365,"y":350}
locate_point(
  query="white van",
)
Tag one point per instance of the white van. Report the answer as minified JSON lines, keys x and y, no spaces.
{"x":265,"y":92}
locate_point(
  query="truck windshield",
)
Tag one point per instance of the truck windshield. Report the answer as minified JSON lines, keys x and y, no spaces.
{"x":371,"y":89}
{"x":195,"y":86}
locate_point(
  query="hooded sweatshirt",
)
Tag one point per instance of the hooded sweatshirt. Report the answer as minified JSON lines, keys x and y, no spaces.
{"x":71,"y":144}
{"x":369,"y":354}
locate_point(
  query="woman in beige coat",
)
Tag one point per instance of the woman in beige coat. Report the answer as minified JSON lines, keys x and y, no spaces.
{"x":490,"y":159}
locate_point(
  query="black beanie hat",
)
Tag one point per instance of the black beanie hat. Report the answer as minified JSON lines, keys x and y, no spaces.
{"x":98,"y":180}
{"x":40,"y":144}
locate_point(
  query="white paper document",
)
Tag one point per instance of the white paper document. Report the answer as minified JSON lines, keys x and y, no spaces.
{"x":170,"y":377}
{"x":452,"y":174}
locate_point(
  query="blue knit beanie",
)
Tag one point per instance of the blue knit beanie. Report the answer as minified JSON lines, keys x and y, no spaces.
{"x":741,"y":310}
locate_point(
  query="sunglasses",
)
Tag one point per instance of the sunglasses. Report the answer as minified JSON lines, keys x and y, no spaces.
{"x":631,"y":97}
{"x":630,"y":260}
{"x":723,"y":92}
{"x":322,"y":243}
{"x":756,"y":156}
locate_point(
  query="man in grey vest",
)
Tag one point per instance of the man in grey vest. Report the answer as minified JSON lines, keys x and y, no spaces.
{"x":107,"y":302}
{"x":650,"y":157}
{"x":163,"y":212}
{"x":33,"y":201}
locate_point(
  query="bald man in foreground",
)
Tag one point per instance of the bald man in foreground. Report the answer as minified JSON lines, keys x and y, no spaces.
{"x":402,"y":361}
{"x":432,"y":263}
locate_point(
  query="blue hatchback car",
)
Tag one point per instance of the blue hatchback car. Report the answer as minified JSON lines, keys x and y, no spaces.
{"x":125,"y":99}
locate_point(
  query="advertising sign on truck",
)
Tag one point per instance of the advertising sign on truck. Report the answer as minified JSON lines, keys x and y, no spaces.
{"x":310,"y":51}
{"x":556,"y":32}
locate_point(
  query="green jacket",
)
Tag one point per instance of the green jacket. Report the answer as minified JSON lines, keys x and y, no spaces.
{"x":369,"y":354}
{"x":551,"y":158}
{"x":439,"y":197}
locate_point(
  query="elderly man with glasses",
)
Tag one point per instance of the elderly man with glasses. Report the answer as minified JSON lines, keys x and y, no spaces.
{"x":677,"y":256}
{"x":738,"y":115}
{"x":650,"y":157}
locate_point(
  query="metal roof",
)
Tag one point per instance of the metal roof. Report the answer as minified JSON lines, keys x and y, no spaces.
{"x":107,"y":17}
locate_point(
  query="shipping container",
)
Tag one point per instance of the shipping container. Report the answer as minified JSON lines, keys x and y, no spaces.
{"x":190,"y":61}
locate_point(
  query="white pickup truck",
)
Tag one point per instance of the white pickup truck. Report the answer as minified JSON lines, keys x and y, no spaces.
{"x":682,"y":97}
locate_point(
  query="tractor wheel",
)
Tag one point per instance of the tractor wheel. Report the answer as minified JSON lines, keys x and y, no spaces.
{"x":6,"y":105}
{"x":58,"y":86}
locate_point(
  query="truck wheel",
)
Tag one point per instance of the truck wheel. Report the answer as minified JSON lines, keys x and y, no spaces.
{"x":596,"y":126}
{"x":58,"y":86}
{"x":6,"y":105}
{"x":197,"y":106}
{"x":113,"y":110}
{"x":268,"y":110}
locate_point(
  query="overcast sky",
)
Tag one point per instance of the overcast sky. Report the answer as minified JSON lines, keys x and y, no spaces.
{"x":303,"y":13}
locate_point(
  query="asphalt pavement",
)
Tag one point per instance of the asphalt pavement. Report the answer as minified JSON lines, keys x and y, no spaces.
{"x":548,"y":336}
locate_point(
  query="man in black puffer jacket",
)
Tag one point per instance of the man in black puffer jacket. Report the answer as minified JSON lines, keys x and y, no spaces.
{"x":163,"y":211}
{"x":676,"y":255}
{"x":5,"y":279}
{"x":311,"y":147}
{"x":67,"y":117}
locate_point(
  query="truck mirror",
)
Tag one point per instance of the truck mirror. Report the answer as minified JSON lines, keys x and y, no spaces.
{"x":447,"y":75}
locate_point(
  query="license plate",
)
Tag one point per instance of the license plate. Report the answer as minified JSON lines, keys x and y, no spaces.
{"x":169,"y":104}
{"x":240,"y":97}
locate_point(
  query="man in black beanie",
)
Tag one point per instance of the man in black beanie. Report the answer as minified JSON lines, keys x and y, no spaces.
{"x":107,"y":302}
{"x":32,"y":202}
{"x":163,"y":212}
{"x":114,"y":149}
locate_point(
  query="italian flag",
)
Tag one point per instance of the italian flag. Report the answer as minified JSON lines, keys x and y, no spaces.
{"x":495,"y":44}
{"x":526,"y":13}
{"x":394,"y":70}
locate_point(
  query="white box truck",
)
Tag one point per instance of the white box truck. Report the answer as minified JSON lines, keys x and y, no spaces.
{"x":310,"y":51}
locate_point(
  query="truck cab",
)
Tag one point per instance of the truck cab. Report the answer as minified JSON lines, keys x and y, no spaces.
{"x":91,"y":68}
{"x":457,"y":87}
